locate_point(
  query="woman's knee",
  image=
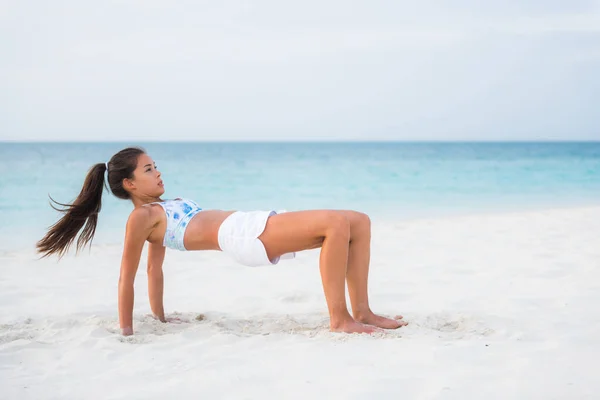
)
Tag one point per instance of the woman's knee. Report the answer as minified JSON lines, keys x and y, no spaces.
{"x":361,"y":226}
{"x":338,"y":224}
{"x":364,"y":220}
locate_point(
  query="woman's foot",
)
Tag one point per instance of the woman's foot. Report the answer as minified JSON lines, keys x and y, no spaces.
{"x":351,"y":326}
{"x":382,"y":322}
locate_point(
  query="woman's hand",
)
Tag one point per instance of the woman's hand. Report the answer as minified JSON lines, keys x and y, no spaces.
{"x":167,"y":320}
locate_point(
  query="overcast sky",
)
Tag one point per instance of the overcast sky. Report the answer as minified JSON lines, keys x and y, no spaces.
{"x":316,"y":70}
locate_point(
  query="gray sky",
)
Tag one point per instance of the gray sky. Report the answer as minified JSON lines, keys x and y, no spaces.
{"x":277,"y":70}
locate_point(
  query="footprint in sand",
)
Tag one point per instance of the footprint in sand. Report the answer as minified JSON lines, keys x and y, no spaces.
{"x":451,"y":326}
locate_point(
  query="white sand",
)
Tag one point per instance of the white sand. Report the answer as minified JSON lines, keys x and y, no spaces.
{"x":500,"y":306}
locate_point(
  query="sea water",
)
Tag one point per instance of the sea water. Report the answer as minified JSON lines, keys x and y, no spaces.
{"x":386,"y":180}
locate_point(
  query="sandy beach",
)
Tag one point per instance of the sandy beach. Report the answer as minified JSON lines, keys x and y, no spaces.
{"x":500,"y":306}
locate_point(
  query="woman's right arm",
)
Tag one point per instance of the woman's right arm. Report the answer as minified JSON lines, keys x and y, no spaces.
{"x":137,"y":231}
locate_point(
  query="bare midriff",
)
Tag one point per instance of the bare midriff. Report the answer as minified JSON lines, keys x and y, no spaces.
{"x":202,"y":231}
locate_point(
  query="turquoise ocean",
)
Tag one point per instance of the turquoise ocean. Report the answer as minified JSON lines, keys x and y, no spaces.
{"x":389,"y":181}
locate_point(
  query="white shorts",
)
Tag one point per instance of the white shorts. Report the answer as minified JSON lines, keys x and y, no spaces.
{"x":238,"y":237}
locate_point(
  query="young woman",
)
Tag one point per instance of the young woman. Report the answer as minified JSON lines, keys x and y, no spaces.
{"x":252,"y":238}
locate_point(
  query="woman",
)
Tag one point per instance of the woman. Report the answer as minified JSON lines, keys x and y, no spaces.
{"x":252,"y":238}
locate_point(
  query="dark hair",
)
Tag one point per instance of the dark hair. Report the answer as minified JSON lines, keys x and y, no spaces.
{"x":83,"y":212}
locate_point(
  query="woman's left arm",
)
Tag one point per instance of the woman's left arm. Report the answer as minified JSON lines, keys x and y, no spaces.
{"x":156,"y":256}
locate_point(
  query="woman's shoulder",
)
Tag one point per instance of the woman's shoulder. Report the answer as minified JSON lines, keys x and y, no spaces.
{"x":144,"y":216}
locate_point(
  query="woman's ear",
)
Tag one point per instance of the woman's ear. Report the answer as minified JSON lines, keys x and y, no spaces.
{"x":128,"y":184}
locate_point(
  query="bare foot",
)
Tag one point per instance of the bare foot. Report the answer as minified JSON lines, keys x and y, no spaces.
{"x":352,"y":326}
{"x":382,"y":322}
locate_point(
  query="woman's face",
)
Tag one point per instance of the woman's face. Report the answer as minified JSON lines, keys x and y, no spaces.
{"x":146,"y":180}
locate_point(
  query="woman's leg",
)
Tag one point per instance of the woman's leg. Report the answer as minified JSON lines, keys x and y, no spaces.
{"x":330,"y":230}
{"x":357,"y":274}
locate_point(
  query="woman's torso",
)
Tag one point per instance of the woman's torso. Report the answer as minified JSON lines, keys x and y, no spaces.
{"x":201,"y":232}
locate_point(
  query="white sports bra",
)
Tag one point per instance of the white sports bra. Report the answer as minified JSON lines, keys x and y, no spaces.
{"x":179,"y":212}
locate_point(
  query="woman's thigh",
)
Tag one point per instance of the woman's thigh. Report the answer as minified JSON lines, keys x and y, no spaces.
{"x":298,"y":230}
{"x":304,"y":230}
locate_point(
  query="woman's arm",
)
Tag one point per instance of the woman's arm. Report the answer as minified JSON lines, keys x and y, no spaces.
{"x":137,"y":231}
{"x":156,"y":256}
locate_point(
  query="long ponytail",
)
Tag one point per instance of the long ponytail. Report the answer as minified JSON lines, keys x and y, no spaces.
{"x":82,"y":213}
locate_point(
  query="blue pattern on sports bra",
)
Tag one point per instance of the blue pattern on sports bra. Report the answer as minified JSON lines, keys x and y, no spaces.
{"x":179,"y":213}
